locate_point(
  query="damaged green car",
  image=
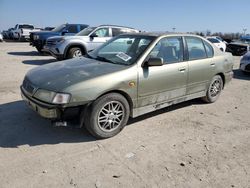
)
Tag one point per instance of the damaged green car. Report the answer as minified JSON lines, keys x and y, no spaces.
{"x":130,"y":75}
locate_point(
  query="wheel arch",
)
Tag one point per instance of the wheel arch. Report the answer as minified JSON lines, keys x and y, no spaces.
{"x":74,"y":45}
{"x":124,"y":94}
{"x":223,"y":78}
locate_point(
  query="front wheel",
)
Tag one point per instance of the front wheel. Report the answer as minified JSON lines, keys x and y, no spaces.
{"x":107,"y":116}
{"x":214,"y":89}
{"x":74,"y":52}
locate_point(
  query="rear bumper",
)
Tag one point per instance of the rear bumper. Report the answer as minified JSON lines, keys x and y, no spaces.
{"x":228,"y":76}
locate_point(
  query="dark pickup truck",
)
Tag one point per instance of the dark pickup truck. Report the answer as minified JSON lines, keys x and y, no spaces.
{"x":38,"y":39}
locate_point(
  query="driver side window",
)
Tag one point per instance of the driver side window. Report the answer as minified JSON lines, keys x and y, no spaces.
{"x":103,"y":32}
{"x":170,"y":49}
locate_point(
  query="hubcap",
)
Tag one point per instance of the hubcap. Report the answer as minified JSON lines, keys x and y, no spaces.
{"x":110,"y":116}
{"x":77,"y":53}
{"x":215,"y":88}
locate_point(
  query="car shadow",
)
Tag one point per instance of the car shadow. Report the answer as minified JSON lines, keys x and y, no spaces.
{"x":31,"y":53}
{"x":238,"y":74}
{"x":165,"y":110}
{"x":39,"y":61}
{"x":19,"y":126}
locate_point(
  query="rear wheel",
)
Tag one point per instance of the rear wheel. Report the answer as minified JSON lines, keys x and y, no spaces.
{"x":107,"y":116}
{"x":74,"y":52}
{"x":214,"y":89}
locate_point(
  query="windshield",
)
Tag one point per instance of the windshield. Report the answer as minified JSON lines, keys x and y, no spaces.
{"x":59,"y":28}
{"x":86,"y":31}
{"x":123,"y":49}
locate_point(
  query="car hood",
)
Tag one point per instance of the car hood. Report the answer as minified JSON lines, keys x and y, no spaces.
{"x":60,"y":75}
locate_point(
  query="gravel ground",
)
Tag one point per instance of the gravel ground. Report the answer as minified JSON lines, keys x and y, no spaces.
{"x":192,"y":144}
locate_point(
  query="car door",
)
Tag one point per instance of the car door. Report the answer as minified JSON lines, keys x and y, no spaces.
{"x":159,"y":84}
{"x":98,"y":37}
{"x":201,"y":66}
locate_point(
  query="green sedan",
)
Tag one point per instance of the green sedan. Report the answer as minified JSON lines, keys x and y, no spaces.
{"x":130,"y":75}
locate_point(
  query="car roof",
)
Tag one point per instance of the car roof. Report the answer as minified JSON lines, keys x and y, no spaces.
{"x":161,"y":34}
{"x":111,"y":25}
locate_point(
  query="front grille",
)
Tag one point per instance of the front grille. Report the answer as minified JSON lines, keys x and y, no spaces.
{"x":50,"y":42}
{"x":28,"y":87}
{"x":247,"y":67}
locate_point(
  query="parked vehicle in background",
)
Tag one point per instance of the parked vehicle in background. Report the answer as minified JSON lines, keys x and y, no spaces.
{"x":38,"y":39}
{"x":1,"y":37}
{"x":48,"y":28}
{"x":245,"y":62}
{"x":22,"y":31}
{"x":218,"y":43}
{"x":67,"y":47}
{"x":130,"y":75}
{"x":238,"y":48}
{"x":10,"y":34}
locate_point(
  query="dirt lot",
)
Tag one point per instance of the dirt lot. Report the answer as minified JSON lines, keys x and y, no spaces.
{"x":188,"y":145}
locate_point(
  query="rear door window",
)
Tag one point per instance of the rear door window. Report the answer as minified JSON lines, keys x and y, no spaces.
{"x":196,"y":49}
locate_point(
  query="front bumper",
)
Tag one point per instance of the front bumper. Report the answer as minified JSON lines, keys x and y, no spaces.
{"x":37,"y":43}
{"x":245,"y":67}
{"x":44,"y":110}
{"x":53,"y":51}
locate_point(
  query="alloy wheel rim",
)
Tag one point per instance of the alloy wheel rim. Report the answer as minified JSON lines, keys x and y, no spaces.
{"x":77,"y":53}
{"x":111,"y":116}
{"x":215,"y":88}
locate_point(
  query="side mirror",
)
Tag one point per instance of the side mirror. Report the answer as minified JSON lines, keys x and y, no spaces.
{"x":93,"y":35}
{"x":154,"y":61}
{"x":64,"y":32}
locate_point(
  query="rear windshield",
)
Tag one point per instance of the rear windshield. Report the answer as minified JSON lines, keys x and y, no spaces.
{"x":26,"y":26}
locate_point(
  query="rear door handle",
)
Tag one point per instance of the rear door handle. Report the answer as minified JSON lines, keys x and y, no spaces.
{"x":212,"y":64}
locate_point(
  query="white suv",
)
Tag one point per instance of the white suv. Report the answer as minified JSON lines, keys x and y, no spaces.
{"x":65,"y":47}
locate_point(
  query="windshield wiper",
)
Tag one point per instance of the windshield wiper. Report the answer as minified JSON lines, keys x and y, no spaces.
{"x":104,"y":59}
{"x":88,"y":56}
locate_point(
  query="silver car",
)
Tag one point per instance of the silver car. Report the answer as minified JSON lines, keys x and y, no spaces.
{"x":87,"y":40}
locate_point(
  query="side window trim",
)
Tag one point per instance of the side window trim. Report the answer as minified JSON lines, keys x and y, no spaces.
{"x":206,"y":49}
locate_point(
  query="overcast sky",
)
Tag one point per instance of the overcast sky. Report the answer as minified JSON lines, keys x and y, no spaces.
{"x":149,"y":15}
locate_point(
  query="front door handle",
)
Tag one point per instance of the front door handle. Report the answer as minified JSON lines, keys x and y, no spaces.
{"x":182,"y":69}
{"x":212,"y":64}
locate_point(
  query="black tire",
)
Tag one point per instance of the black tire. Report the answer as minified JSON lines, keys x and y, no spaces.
{"x":214,"y":89}
{"x":39,"y":49}
{"x":100,"y":118}
{"x":74,"y":52}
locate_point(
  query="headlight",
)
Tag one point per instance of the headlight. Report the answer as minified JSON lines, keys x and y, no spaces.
{"x":36,"y":37}
{"x":50,"y":96}
{"x":61,"y":98}
{"x":60,"y":40}
{"x":44,"y":95}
